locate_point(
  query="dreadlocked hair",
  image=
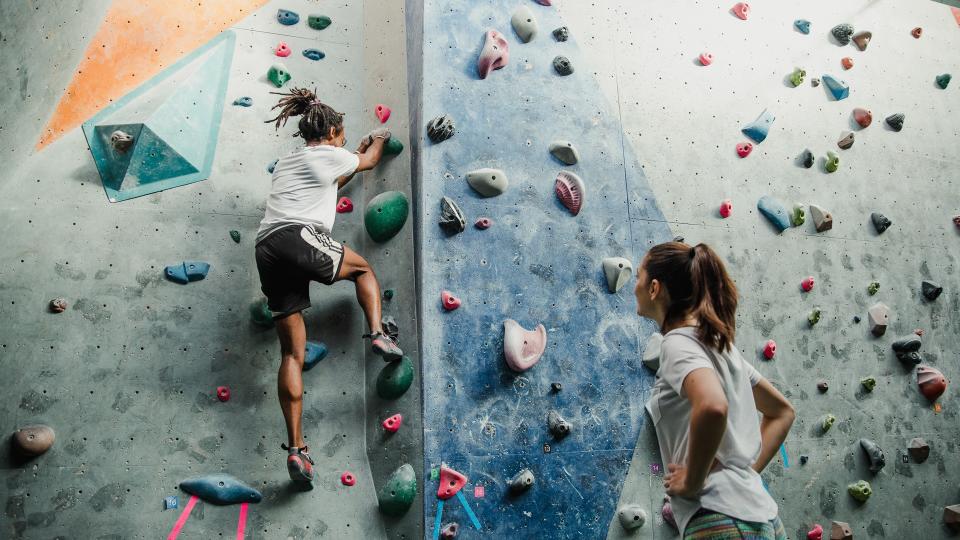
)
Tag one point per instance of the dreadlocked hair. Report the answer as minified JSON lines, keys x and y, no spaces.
{"x":316,"y":118}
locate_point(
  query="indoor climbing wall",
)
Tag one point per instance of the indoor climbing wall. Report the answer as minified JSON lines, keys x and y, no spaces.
{"x":128,"y":374}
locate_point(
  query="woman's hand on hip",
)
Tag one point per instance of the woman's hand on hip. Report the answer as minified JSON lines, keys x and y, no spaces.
{"x":677,"y":483}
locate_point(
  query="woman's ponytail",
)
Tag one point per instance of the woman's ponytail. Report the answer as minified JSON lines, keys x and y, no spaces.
{"x":317,"y":117}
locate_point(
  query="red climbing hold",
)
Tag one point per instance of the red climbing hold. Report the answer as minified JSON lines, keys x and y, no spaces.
{"x":569,"y":188}
{"x":483,"y":223}
{"x":282,"y":49}
{"x":706,"y":59}
{"x":344,"y":205}
{"x":956,"y":221}
{"x":494,"y":55}
{"x":744,"y":149}
{"x":807,"y":284}
{"x":450,"y":302}
{"x":223,"y":393}
{"x":816,"y":533}
{"x":846,"y":62}
{"x":917,"y":32}
{"x":863,"y":117}
{"x":393,"y":423}
{"x":348,"y":479}
{"x":932,"y":383}
{"x":770,"y":349}
{"x":726,"y":208}
{"x":450,"y":482}
{"x":741,"y":10}
{"x":382,"y":112}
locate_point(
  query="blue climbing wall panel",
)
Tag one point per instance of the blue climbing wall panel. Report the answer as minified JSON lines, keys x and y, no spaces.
{"x":536,"y":264}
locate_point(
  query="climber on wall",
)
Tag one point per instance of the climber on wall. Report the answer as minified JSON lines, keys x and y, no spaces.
{"x":705,"y":401}
{"x":294,"y":247}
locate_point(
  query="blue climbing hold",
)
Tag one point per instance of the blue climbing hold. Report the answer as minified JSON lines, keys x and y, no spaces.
{"x":187,"y":271}
{"x":272,"y":166}
{"x":287,"y":18}
{"x":774,"y":210}
{"x":839,"y":89}
{"x":170,"y":503}
{"x":243,"y":101}
{"x":314,"y":54}
{"x":221,"y":489}
{"x":758,"y":129}
{"x":802,"y":25}
{"x":316,"y":352}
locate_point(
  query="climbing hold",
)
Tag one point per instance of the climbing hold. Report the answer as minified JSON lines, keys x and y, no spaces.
{"x":814,"y":316}
{"x":931,"y":291}
{"x":314,"y":54}
{"x":393,"y":423}
{"x":806,"y":158}
{"x":386,"y":214}
{"x":770,"y":349}
{"x":907,"y":349}
{"x":758,"y":129}
{"x":441,"y":128}
{"x":726,"y":208}
{"x":395,"y":379}
{"x":570,"y":190}
{"x":449,"y":301}
{"x":666,"y":512}
{"x":170,"y":502}
{"x":879,"y":316}
{"x":774,"y":211}
{"x":558,"y":426}
{"x":483,"y":223}
{"x":951,"y":516}
{"x":451,"y":482}
{"x":874,"y":454}
{"x":838,"y":88}
{"x":223,"y":393}
{"x":494,"y":55}
{"x":392,"y":147}
{"x":555,"y":387}
{"x":244,"y":101}
{"x":488,"y":182}
{"x":956,"y":221}
{"x":880,"y":222}
{"x":562,"y":65}
{"x":798,"y":216}
{"x":827,"y":422}
{"x":863,"y":117}
{"x":260,"y":313}
{"x":816,"y":533}
{"x":815,"y":82}
{"x":287,"y":18}
{"x":565,"y":152}
{"x":862,"y":39}
{"x":856,"y":319}
{"x":860,"y":490}
{"x":916,"y":32}
{"x":842,"y":32}
{"x":545,"y":2}
{"x":618,"y":272}
{"x":59,"y":305}
{"x":344,"y":205}
{"x":873,"y":287}
{"x":868,"y":383}
{"x":918,"y":449}
{"x":318,"y":22}
{"x":451,"y":217}
{"x":932,"y":383}
{"x":823,"y":386}
{"x":523,"y":348}
{"x":235,"y":236}
{"x":521,"y":481}
{"x":382,"y":112}
{"x":797,"y":76}
{"x":741,"y":10}
{"x":397,"y":495}
{"x":706,"y":59}
{"x":313,"y":354}
{"x":807,"y":284}
{"x":832,"y":163}
{"x":840,"y":531}
{"x":846,"y":141}
{"x":651,"y":351}
{"x":272,"y":166}
{"x":561,"y":34}
{"x":282,"y":50}
{"x":35,"y":440}
{"x":802,"y":25}
{"x":632,"y":516}
{"x":744,"y":149}
{"x":221,"y":489}
{"x":822,"y":219}
{"x":846,"y":62}
{"x":524,"y":24}
{"x":121,"y":141}
{"x":449,"y":531}
{"x":187,"y":271}
{"x":348,"y":479}
{"x":278,"y":74}
{"x":895,"y":121}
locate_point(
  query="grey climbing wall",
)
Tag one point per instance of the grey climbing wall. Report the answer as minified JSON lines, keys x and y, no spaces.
{"x":127,"y":375}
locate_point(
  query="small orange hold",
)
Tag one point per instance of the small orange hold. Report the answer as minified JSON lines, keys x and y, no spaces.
{"x":847,"y":62}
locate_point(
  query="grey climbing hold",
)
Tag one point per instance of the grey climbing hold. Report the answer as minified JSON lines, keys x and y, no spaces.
{"x":823,"y":386}
{"x":221,"y":489}
{"x":919,"y":449}
{"x":522,"y":481}
{"x":895,"y":121}
{"x":774,"y":211}
{"x":488,"y":182}
{"x":907,"y":349}
{"x":235,"y":236}
{"x":842,"y":32}
{"x":840,"y":530}
{"x":121,"y":141}
{"x":565,"y":152}
{"x":524,"y":24}
{"x":930,"y":290}
{"x":449,"y":531}
{"x":243,"y":101}
{"x":651,"y":352}
{"x":30,"y":441}
{"x":441,"y":128}
{"x":822,"y":219}
{"x":874,"y":454}
{"x":860,"y":490}
{"x":561,"y":34}
{"x":806,"y":159}
{"x":838,"y":88}
{"x":943,"y":80}
{"x":559,"y":426}
{"x":879,"y":316}
{"x":868,"y":383}
{"x":862,"y":39}
{"x":880,"y":222}
{"x":814,"y":82}
{"x":451,"y":217}
{"x":759,"y":128}
{"x":631,"y":516}
{"x":562,"y":65}
{"x":618,"y":272}
{"x":846,"y":141}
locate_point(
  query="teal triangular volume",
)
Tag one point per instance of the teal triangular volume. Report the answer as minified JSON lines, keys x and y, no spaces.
{"x":176,"y":116}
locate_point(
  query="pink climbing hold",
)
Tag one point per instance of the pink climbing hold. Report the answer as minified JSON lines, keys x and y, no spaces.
{"x":523,"y":348}
{"x":344,"y":205}
{"x":770,"y":349}
{"x":741,"y":10}
{"x":706,"y":59}
{"x":282,"y":50}
{"x":569,"y":188}
{"x":450,"y":302}
{"x":932,"y":383}
{"x":483,"y":223}
{"x":450,"y":482}
{"x":726,"y":208}
{"x":223,"y":393}
{"x":744,"y":149}
{"x":807,"y":284}
{"x":494,"y":55}
{"x":816,"y":533}
{"x":667,"y":513}
{"x":348,"y":479}
{"x":393,"y":423}
{"x":545,"y":2}
{"x":382,"y":112}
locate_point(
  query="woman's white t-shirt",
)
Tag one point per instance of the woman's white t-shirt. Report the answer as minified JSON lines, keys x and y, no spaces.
{"x":304,"y":188}
{"x":732,"y":487}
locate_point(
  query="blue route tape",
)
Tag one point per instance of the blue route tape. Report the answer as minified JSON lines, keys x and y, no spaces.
{"x":466,"y":506}
{"x":783,"y":454}
{"x":436,"y":522}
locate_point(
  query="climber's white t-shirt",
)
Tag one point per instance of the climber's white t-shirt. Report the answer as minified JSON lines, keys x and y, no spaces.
{"x":304,"y":188}
{"x":732,"y":487}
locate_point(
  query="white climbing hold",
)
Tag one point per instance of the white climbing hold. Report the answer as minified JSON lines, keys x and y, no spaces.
{"x":565,"y":152}
{"x":651,"y":352}
{"x":488,"y":182}
{"x":618,"y":271}
{"x":632,"y":516}
{"x":524,"y":24}
{"x":523,"y":348}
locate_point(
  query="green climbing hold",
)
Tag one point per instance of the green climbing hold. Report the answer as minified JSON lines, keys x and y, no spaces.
{"x":860,"y":490}
{"x":386,"y":213}
{"x":943,"y":80}
{"x":797,"y":76}
{"x":868,"y":383}
{"x":397,"y":495}
{"x":395,"y":378}
{"x":388,"y":294}
{"x":393,"y":147}
{"x":827,"y":422}
{"x":235,"y":235}
{"x":814,"y":316}
{"x":318,"y":22}
{"x":833,"y":162}
{"x":260,"y":314}
{"x":278,"y":74}
{"x":798,"y":216}
{"x":873,"y":287}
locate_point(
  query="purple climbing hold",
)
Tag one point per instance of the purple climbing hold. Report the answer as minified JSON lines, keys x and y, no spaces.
{"x":494,"y":55}
{"x":523,"y":348}
{"x":483,"y":223}
{"x":221,"y":489}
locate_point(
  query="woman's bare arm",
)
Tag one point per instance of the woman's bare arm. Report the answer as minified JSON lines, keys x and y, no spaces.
{"x":778,"y":416}
{"x":370,"y":152}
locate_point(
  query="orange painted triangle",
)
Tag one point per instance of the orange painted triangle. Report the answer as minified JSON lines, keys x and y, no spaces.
{"x":136,"y":41}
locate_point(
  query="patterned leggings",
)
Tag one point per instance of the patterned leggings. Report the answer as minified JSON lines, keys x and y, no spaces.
{"x":710,"y":525}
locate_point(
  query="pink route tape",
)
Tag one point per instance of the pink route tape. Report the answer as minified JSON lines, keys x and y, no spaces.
{"x":242,"y":524}
{"x":175,"y":532}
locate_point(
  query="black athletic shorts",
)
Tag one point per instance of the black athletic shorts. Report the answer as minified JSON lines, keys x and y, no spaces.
{"x":289,"y":259}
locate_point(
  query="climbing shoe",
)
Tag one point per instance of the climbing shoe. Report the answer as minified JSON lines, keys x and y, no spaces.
{"x":299,"y":464}
{"x":385,"y":346}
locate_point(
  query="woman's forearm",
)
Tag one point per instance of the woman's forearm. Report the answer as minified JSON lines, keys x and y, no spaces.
{"x":707,"y":426}
{"x":773,"y":431}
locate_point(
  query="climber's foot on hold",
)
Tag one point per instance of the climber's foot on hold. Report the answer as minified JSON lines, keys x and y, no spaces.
{"x":299,"y":464}
{"x":385,"y":346}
